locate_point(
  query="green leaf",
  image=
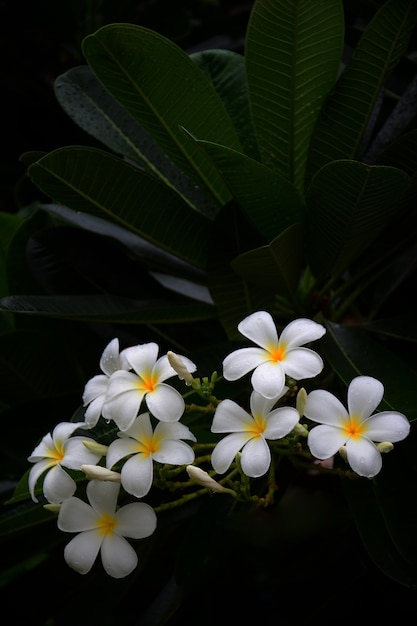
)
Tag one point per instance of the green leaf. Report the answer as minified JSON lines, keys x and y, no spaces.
{"x":277,"y":267}
{"x":94,"y":110}
{"x":92,"y":181}
{"x":349,"y":204}
{"x":352,"y":351}
{"x":226,"y":71}
{"x":293,"y":52}
{"x":164,"y":90}
{"x":345,"y":116}
{"x":269,"y":200}
{"x":107,"y":308}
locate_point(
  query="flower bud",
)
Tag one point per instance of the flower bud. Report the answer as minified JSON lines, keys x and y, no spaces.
{"x":201,"y":477}
{"x":300,"y":429}
{"x":98,"y":448}
{"x":178,"y":365}
{"x":53,"y":508}
{"x":97,"y":472}
{"x":300,"y":403}
{"x":385,"y":446}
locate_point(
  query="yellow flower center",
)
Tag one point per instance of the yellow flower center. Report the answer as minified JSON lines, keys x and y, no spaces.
{"x":57,"y":452}
{"x":149,"y":445}
{"x":256,"y":426}
{"x":147,"y":382}
{"x":106,"y":524}
{"x":353,"y":427}
{"x":278,"y":353}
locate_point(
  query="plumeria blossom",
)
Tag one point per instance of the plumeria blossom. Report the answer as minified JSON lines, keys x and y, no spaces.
{"x":276,"y":356}
{"x":144,"y":445}
{"x":126,"y":390}
{"x":95,"y":390}
{"x":356,"y":429}
{"x":55,"y":452}
{"x":102,"y":527}
{"x":250,"y":432}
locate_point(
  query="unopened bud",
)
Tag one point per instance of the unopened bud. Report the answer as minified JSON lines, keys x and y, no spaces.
{"x":385,"y":446}
{"x":343,"y":453}
{"x":300,"y":403}
{"x":53,"y":508}
{"x":201,"y":477}
{"x":97,"y":472}
{"x":97,"y":448}
{"x":178,"y":365}
{"x":300,"y":429}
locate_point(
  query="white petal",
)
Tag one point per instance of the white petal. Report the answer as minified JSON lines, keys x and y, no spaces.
{"x":302,"y":363}
{"x":268,"y":379}
{"x":260,"y":405}
{"x":242,"y":361}
{"x":140,"y":429}
{"x":301,"y":331}
{"x":230,"y":417}
{"x":387,"y":426}
{"x":142,"y":358}
{"x":226,"y":450}
{"x":323,"y":407}
{"x":137,"y":475}
{"x":64,"y":430}
{"x":174,"y":452}
{"x":110,"y":361}
{"x":363,"y":457}
{"x":260,"y":328}
{"x":36,"y":472}
{"x":77,"y":454}
{"x":363,"y":396}
{"x":95,"y":388}
{"x":58,"y":485}
{"x":103,"y":496}
{"x":136,"y":520}
{"x":75,"y":516}
{"x":81,"y":552}
{"x":45,"y":448}
{"x":256,"y":457}
{"x":119,"y":449}
{"x":93,"y":411}
{"x":118,"y":557}
{"x":165,"y":403}
{"x":280,"y":422}
{"x":325,"y":441}
{"x":174,"y":430}
{"x":124,"y":407}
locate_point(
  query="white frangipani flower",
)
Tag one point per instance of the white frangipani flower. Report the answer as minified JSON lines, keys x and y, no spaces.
{"x":144,"y":445}
{"x":102,"y":527}
{"x":55,"y":452}
{"x":354,"y":430}
{"x":276,"y":356}
{"x":126,"y":390}
{"x":95,"y":390}
{"x":250,"y":432}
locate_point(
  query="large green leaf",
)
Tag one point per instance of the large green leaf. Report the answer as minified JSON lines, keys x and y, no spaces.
{"x":107,"y":308}
{"x":347,"y":111}
{"x":164,"y":90}
{"x":270,"y":201}
{"x":293,"y":51}
{"x":226,"y":71}
{"x":94,"y":110}
{"x":277,"y":267}
{"x":349,"y":204}
{"x":92,"y":181}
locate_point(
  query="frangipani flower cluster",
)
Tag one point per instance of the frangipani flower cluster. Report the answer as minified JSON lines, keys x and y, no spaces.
{"x":152,"y":446}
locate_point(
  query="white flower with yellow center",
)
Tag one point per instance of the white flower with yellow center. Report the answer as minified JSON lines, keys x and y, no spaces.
{"x":55,"y":452}
{"x":102,"y":527}
{"x":250,"y":432}
{"x":144,"y":446}
{"x":276,"y":356}
{"x":126,"y":390}
{"x":354,"y":430}
{"x":95,"y":390}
